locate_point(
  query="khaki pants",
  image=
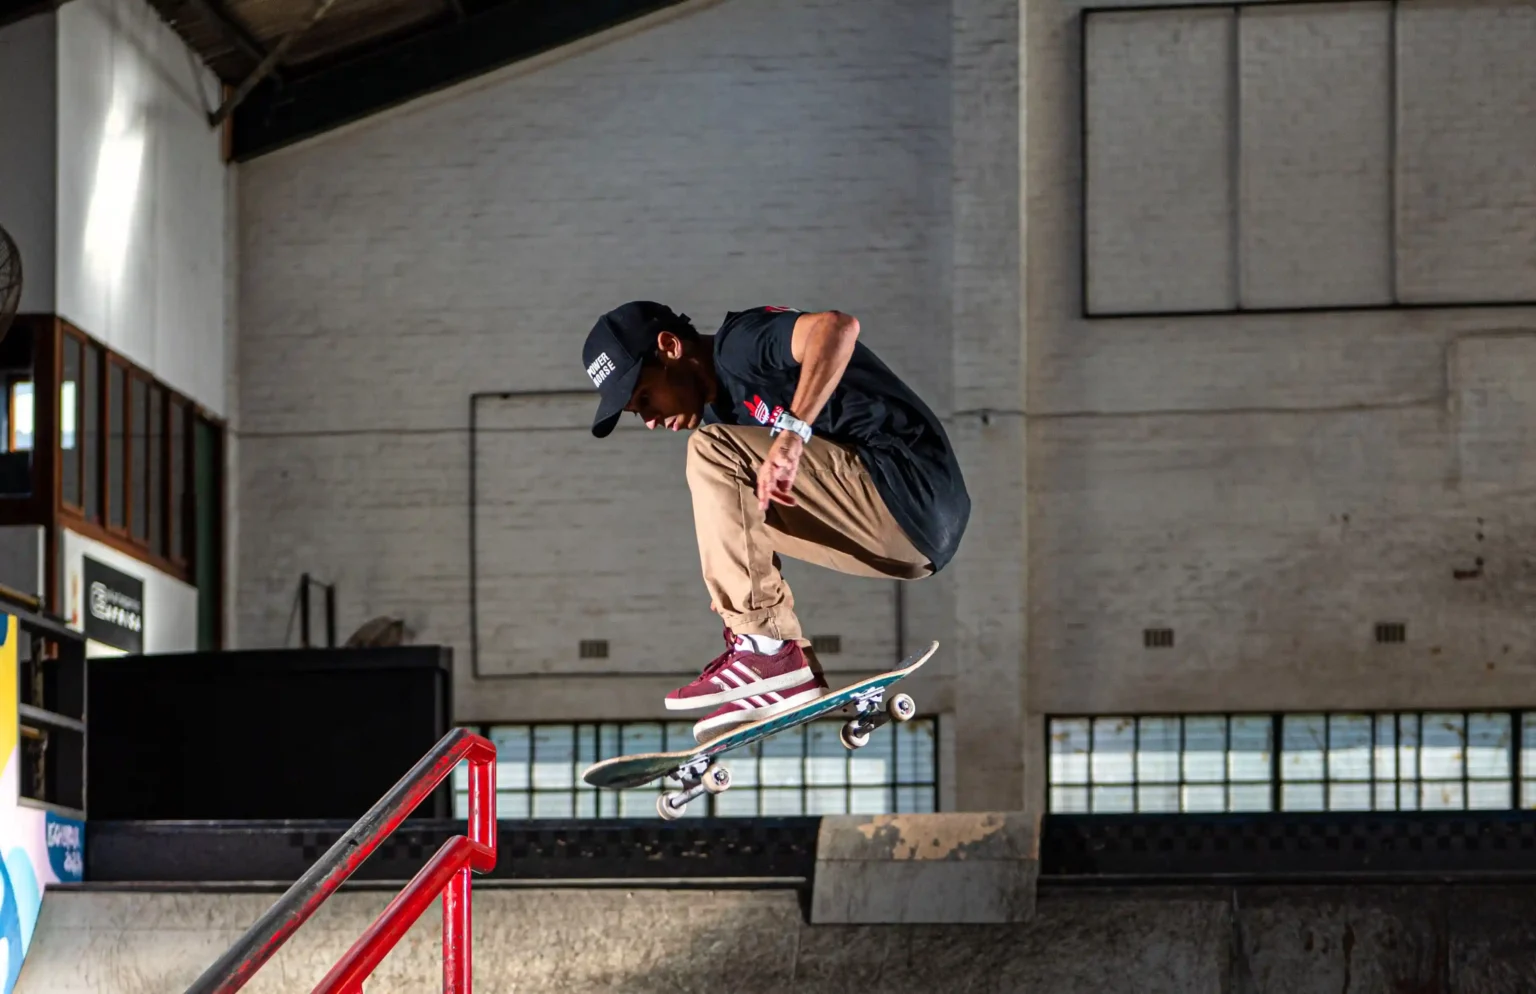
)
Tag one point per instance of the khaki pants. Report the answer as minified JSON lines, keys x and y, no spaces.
{"x":840,"y":522}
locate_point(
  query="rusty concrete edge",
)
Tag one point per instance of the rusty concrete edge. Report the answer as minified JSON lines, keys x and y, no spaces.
{"x":943,"y":837}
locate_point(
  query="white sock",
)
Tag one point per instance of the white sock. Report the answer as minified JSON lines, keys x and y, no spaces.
{"x":759,"y":643}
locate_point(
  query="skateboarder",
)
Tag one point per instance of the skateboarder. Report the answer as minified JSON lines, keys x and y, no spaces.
{"x":806,"y":445}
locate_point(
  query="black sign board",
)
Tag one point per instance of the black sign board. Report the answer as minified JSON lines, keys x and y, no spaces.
{"x":114,"y":606}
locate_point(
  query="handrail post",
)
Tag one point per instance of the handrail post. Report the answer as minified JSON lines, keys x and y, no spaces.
{"x":304,"y":610}
{"x":457,"y":935}
{"x":261,"y":941}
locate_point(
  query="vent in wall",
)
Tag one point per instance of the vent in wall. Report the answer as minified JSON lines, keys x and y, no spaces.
{"x":594,"y":649}
{"x":829,"y":645}
{"x":1157,"y":638}
{"x":1388,"y":632}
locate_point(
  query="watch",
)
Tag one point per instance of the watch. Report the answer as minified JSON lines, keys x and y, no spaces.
{"x":785,"y":421}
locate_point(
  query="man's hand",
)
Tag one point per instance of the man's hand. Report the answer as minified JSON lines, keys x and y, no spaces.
{"x":776,"y":476}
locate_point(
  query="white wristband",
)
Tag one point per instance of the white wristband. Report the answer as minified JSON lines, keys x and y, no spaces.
{"x":788,"y":422}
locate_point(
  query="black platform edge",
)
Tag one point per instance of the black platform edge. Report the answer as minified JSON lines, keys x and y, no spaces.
{"x":725,"y":849}
{"x":1332,"y":845}
{"x":1075,"y":850}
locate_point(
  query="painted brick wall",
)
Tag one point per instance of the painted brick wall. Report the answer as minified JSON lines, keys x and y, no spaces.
{"x":735,"y":154}
{"x":141,"y":195}
{"x":1270,"y":486}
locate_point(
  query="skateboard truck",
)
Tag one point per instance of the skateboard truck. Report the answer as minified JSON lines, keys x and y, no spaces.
{"x":699,"y":775}
{"x":870,"y":716}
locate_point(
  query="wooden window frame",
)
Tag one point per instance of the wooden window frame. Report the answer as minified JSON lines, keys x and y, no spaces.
{"x":122,"y":539}
{"x":113,"y":364}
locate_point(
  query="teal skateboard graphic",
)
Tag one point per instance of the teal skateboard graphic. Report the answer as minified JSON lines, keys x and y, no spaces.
{"x":697,"y":770}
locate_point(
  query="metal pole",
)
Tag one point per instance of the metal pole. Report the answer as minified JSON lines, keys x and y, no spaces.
{"x":330,"y":615}
{"x":262,"y":940}
{"x":304,"y":610}
{"x":457,"y":935}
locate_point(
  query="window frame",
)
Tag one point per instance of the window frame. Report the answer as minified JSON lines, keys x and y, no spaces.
{"x":1520,"y":776}
{"x":79,"y":517}
{"x":612,"y":804}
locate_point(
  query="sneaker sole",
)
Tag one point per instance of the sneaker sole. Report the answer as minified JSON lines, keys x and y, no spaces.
{"x":723,"y":722}
{"x":770,"y":685}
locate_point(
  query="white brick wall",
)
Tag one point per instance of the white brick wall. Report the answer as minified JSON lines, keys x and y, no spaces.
{"x":1267,"y":485}
{"x":1271,"y":486}
{"x":141,"y":195}
{"x":749,"y":152}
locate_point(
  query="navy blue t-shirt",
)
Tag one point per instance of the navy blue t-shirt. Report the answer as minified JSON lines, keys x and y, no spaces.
{"x":896,"y":436}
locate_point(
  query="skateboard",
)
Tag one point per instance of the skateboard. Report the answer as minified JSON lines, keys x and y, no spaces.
{"x":697,"y":770}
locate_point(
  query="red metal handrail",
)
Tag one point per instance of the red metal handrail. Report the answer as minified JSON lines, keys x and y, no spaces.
{"x":448,"y":873}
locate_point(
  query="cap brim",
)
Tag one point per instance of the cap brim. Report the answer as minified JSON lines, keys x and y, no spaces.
{"x":613,"y":398}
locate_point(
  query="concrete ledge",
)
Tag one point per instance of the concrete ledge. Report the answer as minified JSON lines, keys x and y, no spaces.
{"x":952,"y":868}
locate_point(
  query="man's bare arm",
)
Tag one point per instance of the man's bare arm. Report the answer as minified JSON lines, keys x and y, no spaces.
{"x":822,"y":343}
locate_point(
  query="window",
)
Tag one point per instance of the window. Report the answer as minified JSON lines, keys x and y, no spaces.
{"x":1408,"y":761}
{"x":138,"y":457}
{"x":155,"y":480}
{"x":90,"y":432}
{"x":176,"y":461}
{"x":69,"y":419}
{"x":141,"y":469}
{"x":19,"y":415}
{"x":117,"y":445}
{"x":805,"y":770}
{"x":1160,"y":764}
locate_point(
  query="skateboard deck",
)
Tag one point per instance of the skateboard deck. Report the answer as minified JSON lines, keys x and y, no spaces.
{"x":696,"y":768}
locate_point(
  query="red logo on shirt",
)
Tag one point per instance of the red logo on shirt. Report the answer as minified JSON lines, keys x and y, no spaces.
{"x":758,"y":408}
{"x":775,"y":309}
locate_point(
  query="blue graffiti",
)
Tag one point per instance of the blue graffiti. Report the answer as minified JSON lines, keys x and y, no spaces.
{"x":65,"y":841}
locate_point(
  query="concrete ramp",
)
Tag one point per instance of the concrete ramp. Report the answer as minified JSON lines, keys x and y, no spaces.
{"x":623,"y":942}
{"x":1254,"y":939}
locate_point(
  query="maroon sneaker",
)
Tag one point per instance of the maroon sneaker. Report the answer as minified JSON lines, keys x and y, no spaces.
{"x":756,"y":707}
{"x":742,"y":672}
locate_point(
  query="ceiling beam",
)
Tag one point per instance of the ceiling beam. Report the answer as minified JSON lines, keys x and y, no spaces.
{"x":268,"y":63}
{"x":233,"y":32}
{"x":488,"y":38}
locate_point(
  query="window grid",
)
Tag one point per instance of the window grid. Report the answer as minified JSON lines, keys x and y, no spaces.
{"x":1175,"y":763}
{"x":804,"y":770}
{"x":1310,"y":761}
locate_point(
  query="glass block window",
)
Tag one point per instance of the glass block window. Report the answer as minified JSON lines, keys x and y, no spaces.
{"x":804,"y":771}
{"x":1339,"y":761}
{"x":1163,"y":763}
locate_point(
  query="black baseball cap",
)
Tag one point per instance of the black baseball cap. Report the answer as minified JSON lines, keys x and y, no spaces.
{"x":616,"y":348}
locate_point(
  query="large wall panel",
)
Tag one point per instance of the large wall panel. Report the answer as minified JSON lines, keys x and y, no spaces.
{"x":1159,"y":174}
{"x":1468,"y":150}
{"x":1316,"y":140}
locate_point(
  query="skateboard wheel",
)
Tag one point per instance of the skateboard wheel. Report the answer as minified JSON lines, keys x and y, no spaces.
{"x":902,"y":707}
{"x":852,"y":737}
{"x":665,"y":809}
{"x":717,"y":779}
